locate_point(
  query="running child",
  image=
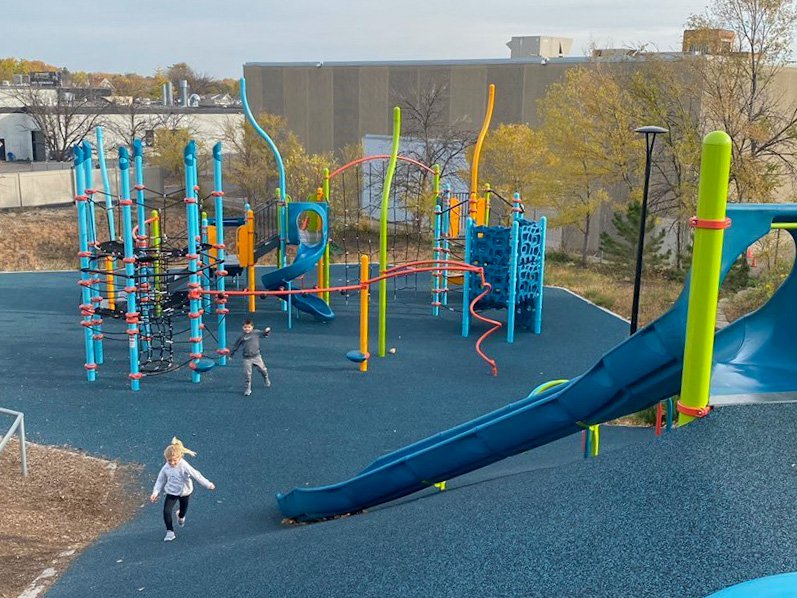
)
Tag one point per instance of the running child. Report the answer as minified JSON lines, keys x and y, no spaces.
{"x":249,"y":342}
{"x":175,"y":480}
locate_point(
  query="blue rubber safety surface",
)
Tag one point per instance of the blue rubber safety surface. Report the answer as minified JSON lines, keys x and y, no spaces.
{"x":698,"y":510}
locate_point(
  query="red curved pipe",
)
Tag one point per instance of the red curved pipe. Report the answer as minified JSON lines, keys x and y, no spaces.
{"x":401,"y":270}
{"x":379,"y":157}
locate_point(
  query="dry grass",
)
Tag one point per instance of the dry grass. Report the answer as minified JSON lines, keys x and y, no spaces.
{"x":39,"y":239}
{"x":65,"y":503}
{"x":596,"y":284}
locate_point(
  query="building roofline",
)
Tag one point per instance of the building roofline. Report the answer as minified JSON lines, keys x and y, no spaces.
{"x":464,"y":62}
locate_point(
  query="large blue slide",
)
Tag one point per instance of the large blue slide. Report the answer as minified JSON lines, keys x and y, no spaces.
{"x":755,"y":355}
{"x":307,"y":256}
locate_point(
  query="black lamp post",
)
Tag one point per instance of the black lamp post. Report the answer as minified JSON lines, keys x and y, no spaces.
{"x":650,"y":138}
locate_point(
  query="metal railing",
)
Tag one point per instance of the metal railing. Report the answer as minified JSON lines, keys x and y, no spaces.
{"x":19,"y":427}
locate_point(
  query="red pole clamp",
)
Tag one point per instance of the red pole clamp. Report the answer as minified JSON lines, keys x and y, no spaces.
{"x":138,"y":187}
{"x":195,"y":339}
{"x":132,"y":332}
{"x":217,"y":194}
{"x":194,"y":315}
{"x":97,"y":337}
{"x":90,"y":366}
{"x":125,"y":202}
{"x":129,"y":260}
{"x":222,"y":311}
{"x":694,"y":411}
{"x":136,"y":376}
{"x":195,"y":355}
{"x":190,"y":200}
{"x":81,"y":197}
{"x":696,"y":222}
{"x":84,"y":254}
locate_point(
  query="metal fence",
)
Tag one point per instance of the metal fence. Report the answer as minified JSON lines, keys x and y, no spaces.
{"x":17,"y":427}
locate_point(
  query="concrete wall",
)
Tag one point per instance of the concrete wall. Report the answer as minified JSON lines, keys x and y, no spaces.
{"x":34,"y":189}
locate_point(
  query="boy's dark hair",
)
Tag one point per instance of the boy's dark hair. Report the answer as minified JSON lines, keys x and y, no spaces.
{"x":248,"y":323}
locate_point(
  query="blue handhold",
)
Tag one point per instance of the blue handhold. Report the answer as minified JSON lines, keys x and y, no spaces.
{"x":357,"y":356}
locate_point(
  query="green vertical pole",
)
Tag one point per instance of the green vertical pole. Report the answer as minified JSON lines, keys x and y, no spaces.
{"x":391,"y":169}
{"x":706,"y":263}
{"x":329,"y":236}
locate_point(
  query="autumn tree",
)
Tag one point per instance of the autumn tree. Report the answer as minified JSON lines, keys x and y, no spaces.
{"x":253,"y":168}
{"x":168,"y":155}
{"x":662,"y":94}
{"x":63,"y":119}
{"x":743,"y":95}
{"x":594,"y":152}
{"x":512,"y":160}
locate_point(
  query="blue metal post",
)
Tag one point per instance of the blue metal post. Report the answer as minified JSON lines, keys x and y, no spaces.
{"x":670,"y":409}
{"x":198,"y":236}
{"x":106,"y":185}
{"x":141,"y":208}
{"x":221,"y":301}
{"x":195,"y":304}
{"x":538,"y":298}
{"x":91,"y":226}
{"x":141,"y":241}
{"x":511,"y":300}
{"x":466,"y":279}
{"x":86,"y":307}
{"x":130,"y":283}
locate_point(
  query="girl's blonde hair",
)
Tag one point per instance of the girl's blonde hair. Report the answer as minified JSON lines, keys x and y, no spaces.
{"x":176,"y":450}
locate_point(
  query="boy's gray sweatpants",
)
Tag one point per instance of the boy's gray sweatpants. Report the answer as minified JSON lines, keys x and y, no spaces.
{"x":257,"y":362}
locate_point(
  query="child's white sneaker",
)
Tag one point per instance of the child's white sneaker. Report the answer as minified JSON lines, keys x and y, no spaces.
{"x":181,"y":521}
{"x":247,"y":392}
{"x":268,"y":382}
{"x":169,"y":536}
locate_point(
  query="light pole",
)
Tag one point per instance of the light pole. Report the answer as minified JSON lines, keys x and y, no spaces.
{"x":650,"y":138}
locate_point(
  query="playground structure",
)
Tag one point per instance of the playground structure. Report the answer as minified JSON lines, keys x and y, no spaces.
{"x":149,"y":281}
{"x":513,"y":257}
{"x":676,"y":355}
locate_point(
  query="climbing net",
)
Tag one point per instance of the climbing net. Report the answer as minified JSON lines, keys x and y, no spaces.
{"x":356,"y":194}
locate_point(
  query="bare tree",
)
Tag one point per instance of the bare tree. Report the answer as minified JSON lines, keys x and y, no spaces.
{"x":63,"y":118}
{"x":743,"y":94}
{"x":137,"y":119}
{"x":432,"y":140}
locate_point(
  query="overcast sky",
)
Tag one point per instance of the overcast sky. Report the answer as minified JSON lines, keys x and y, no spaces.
{"x":218,"y":36}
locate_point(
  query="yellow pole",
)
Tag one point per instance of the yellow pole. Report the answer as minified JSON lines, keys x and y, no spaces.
{"x":109,"y":281}
{"x":474,"y":169}
{"x":155,"y":231}
{"x":706,"y":265}
{"x":321,"y":268}
{"x":250,"y":270}
{"x":364,"y":293}
{"x":325,"y":189}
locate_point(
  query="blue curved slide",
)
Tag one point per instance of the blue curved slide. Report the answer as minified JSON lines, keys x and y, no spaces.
{"x":307,"y":256}
{"x":756,"y":354}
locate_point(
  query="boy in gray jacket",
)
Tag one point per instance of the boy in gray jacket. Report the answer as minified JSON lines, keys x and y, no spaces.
{"x":249,"y":342}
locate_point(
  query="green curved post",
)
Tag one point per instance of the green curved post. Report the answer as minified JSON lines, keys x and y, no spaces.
{"x":706,"y":260}
{"x":391,"y":169}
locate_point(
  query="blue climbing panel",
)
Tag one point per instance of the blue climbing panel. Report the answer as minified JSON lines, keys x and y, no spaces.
{"x":491,"y":249}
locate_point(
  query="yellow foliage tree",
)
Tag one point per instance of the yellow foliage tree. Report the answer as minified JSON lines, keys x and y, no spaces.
{"x":593,"y":150}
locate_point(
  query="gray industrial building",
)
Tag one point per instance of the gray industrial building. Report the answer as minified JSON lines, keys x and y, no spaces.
{"x":333,"y":104}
